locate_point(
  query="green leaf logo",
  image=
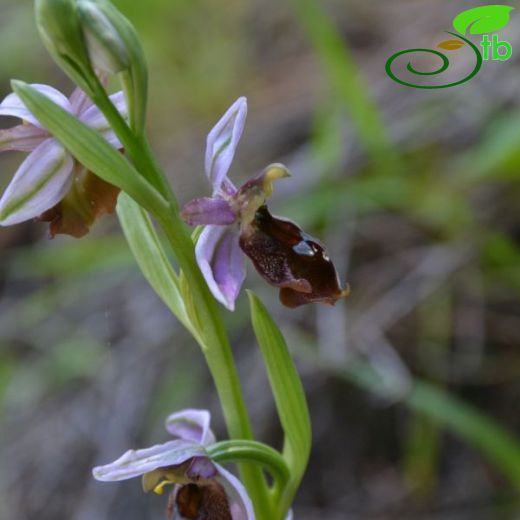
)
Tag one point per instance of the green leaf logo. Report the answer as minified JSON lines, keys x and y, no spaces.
{"x":482,"y":20}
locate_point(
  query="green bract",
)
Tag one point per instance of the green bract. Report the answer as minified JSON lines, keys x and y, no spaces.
{"x":289,"y":398}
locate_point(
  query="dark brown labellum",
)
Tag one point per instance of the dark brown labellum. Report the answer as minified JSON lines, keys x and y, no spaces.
{"x":287,"y":257}
{"x":207,"y":502}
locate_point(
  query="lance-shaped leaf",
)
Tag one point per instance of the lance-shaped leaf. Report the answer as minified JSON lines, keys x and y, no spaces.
{"x":152,"y":259}
{"x":288,"y":394}
{"x":89,"y":147}
{"x":482,"y":20}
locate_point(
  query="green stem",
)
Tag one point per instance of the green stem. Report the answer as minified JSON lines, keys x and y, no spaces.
{"x":215,"y":344}
{"x":136,"y":147}
{"x":252,"y":451}
{"x":218,"y":354}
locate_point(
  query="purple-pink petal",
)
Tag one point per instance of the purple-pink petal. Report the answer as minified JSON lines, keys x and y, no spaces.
{"x":191,"y":425}
{"x":22,"y":138}
{"x":94,"y":118}
{"x":239,"y":501}
{"x":13,"y":106}
{"x":222,"y":263}
{"x":79,"y":102}
{"x":221,"y":145}
{"x":201,"y":468}
{"x":207,"y":210}
{"x":135,"y":463}
{"x":41,"y":181}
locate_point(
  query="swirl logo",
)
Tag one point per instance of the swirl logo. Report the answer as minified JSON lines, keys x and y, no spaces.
{"x":478,"y":21}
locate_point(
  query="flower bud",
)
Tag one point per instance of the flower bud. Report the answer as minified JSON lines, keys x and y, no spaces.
{"x":115,"y":47}
{"x":59,"y":27}
{"x":106,"y":48}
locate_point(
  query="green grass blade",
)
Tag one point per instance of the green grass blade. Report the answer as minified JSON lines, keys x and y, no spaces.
{"x":347,"y":82}
{"x":499,"y":446}
{"x":471,"y":425}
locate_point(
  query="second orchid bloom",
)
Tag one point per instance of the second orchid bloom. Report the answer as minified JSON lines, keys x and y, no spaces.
{"x":238,"y":222}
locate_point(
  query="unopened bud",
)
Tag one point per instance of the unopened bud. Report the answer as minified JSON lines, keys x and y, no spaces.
{"x":106,"y":47}
{"x":115,"y":47}
{"x":59,"y":27}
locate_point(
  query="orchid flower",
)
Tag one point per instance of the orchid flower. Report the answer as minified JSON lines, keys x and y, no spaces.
{"x":201,"y":487}
{"x":237,"y":221}
{"x":50,"y":184}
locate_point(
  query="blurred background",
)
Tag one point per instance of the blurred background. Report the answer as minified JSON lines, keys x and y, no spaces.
{"x":413,"y":381}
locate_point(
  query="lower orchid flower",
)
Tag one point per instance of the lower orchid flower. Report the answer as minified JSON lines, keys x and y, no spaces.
{"x":202,"y":489}
{"x":50,"y":184}
{"x":237,"y":221}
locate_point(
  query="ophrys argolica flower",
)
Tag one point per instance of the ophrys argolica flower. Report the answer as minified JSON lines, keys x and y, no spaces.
{"x":237,"y":221}
{"x":202,"y":489}
{"x":50,"y":184}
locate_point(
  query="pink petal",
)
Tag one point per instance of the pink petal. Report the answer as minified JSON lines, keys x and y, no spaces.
{"x":22,"y":138}
{"x":41,"y":181}
{"x":13,"y":106}
{"x":239,"y":501}
{"x":191,"y":425}
{"x":135,"y":463}
{"x":93,"y":117}
{"x":221,"y":145}
{"x":79,"y":101}
{"x":222,"y":263}
{"x":206,"y":210}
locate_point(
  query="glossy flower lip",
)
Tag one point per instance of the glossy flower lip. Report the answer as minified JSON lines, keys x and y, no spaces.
{"x":46,"y":175}
{"x":184,"y":463}
{"x":236,"y":224}
{"x":288,"y":258}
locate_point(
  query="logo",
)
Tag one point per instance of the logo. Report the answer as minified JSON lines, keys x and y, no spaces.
{"x":478,"y":21}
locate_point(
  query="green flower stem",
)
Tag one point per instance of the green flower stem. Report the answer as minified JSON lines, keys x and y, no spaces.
{"x":213,"y":339}
{"x":252,"y":451}
{"x":218,"y":354}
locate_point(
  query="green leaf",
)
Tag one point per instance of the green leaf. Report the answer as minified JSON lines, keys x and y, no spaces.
{"x":288,"y":394}
{"x":89,"y":147}
{"x":482,"y":20}
{"x":151,"y":257}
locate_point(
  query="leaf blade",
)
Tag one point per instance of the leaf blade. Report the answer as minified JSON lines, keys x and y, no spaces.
{"x":288,"y":394}
{"x":151,"y":257}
